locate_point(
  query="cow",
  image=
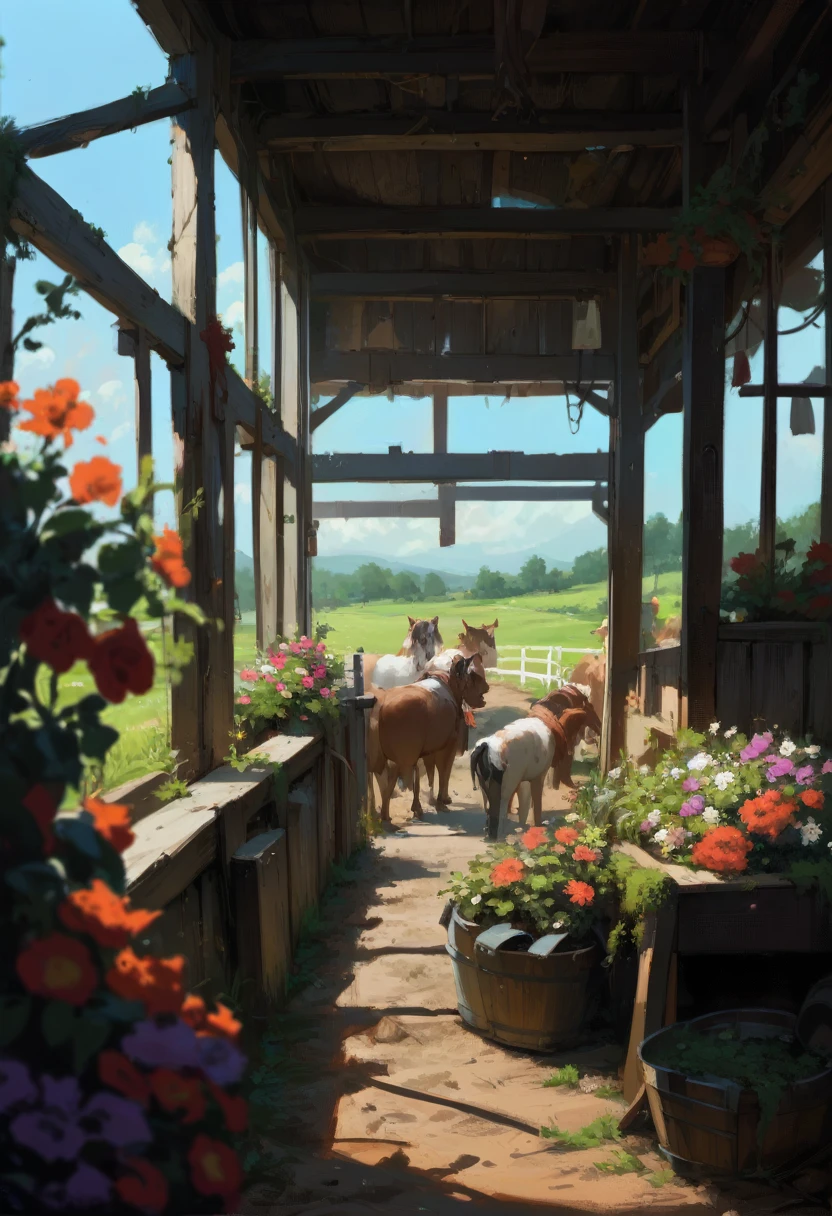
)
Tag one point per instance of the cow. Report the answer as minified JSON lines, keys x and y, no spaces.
{"x":422,"y":643}
{"x":421,"y":719}
{"x":524,"y":751}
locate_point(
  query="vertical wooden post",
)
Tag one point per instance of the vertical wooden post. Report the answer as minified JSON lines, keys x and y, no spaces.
{"x":768,"y":481}
{"x":249,"y":217}
{"x":447,"y":499}
{"x":626,"y":516}
{"x":203,"y":708}
{"x":826,"y":476}
{"x":703,"y":387}
{"x":289,"y":407}
{"x":144,"y":412}
{"x":7,"y":267}
{"x":304,"y":471}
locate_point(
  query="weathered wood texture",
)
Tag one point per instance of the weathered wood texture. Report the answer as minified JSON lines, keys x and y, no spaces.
{"x":379,"y":369}
{"x":430,"y":508}
{"x":260,"y":885}
{"x":826,"y":474}
{"x":658,"y":688}
{"x":474,"y":223}
{"x":432,"y":285}
{"x":461,"y":466}
{"x":301,"y":819}
{"x":290,"y":417}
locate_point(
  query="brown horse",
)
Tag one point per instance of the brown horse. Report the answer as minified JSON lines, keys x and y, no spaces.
{"x":422,"y":641}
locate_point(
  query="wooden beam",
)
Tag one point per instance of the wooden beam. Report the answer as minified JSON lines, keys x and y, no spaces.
{"x":378,"y":369}
{"x":245,"y":406}
{"x":456,"y":285}
{"x":49,"y":223}
{"x":602,"y":404}
{"x":169,"y":24}
{"x":7,"y":269}
{"x":475,"y":223}
{"x":643,"y":52}
{"x":144,"y":406}
{"x":323,"y":412}
{"x":78,"y":130}
{"x":306,"y":537}
{"x":248,"y":213}
{"x":703,"y":381}
{"x":798,"y":389}
{"x":768,"y":480}
{"x":446,"y":492}
{"x":626,"y":515}
{"x":431,"y":508}
{"x":396,"y":465}
{"x":446,"y":130}
{"x":826,"y":472}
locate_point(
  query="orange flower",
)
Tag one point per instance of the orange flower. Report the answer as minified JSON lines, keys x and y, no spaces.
{"x":9,"y":394}
{"x":534,"y":838}
{"x":115,"y":1070}
{"x":120,"y":663}
{"x":724,"y":850}
{"x":105,"y":916}
{"x":579,"y":892}
{"x":146,"y":1189}
{"x":193,"y":1011}
{"x":582,"y":853}
{"x":769,"y":814}
{"x":42,"y":807}
{"x":215,"y":1169}
{"x":57,"y":411}
{"x":174,"y":1092}
{"x":566,"y":835}
{"x":235,"y":1110}
{"x":813,"y":799}
{"x":55,"y":637}
{"x":112,"y":821}
{"x":100,"y":439}
{"x":508,"y":871}
{"x":59,"y":968}
{"x":168,"y":561}
{"x":96,"y":480}
{"x":223,"y":1023}
{"x":156,"y":982}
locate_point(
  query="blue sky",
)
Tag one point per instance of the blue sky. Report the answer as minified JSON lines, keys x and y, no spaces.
{"x":92,"y":51}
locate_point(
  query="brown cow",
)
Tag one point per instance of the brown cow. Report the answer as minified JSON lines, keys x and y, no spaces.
{"x":421,"y":719}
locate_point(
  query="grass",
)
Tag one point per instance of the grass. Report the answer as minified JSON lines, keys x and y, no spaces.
{"x":568,"y":1077}
{"x":596,"y":1133}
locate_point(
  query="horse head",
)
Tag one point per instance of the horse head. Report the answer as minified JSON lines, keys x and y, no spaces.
{"x":423,"y":641}
{"x":480,"y":641}
{"x":571,"y":697}
{"x":467,"y":681}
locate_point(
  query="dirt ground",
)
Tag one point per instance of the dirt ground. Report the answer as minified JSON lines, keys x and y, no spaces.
{"x":394,"y":1106}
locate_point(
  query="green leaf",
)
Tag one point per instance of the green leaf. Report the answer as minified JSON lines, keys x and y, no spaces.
{"x":56,"y":1023}
{"x":116,"y":560}
{"x":72,"y":519}
{"x":89,"y":1036}
{"x":14,"y":1014}
{"x":123,"y":593}
{"x":97,"y":739}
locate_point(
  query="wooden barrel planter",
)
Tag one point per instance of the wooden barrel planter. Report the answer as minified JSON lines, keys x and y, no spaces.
{"x":710,"y":1128}
{"x":513,"y":990}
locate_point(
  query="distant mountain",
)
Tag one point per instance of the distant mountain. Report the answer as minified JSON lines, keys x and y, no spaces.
{"x":348,"y":563}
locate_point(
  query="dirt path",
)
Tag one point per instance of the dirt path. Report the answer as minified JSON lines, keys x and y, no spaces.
{"x":392,"y":1105}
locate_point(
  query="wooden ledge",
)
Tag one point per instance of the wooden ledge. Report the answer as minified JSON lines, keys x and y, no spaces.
{"x":699,"y":880}
{"x":175,"y":844}
{"x":774,"y":631}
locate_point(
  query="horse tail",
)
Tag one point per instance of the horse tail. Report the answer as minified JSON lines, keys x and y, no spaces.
{"x":481,"y":766}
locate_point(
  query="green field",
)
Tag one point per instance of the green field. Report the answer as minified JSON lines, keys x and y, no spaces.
{"x":563,"y":618}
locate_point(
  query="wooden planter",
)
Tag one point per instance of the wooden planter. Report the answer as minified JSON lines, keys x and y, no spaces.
{"x":516,"y":998}
{"x":711,"y":1127}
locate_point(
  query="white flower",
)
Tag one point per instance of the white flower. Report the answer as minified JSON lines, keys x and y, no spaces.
{"x":644,"y":770}
{"x":557,"y":924}
{"x":699,"y":761}
{"x":729,"y":734}
{"x":287,"y":693}
{"x":268,"y":670}
{"x":301,"y":671}
{"x":654,"y":817}
{"x":810,"y":832}
{"x":283,"y":646}
{"x":614,"y":774}
{"x":812,"y":749}
{"x":661,"y":836}
{"x":723,"y":780}
{"x":476,"y":899}
{"x":571,"y":817}
{"x":713,"y":729}
{"x":787,"y":748}
{"x":676,"y":773}
{"x":710,"y":814}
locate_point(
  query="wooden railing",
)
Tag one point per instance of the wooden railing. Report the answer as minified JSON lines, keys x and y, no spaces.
{"x":544,"y":663}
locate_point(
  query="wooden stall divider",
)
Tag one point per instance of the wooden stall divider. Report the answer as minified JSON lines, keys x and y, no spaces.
{"x":260,"y":881}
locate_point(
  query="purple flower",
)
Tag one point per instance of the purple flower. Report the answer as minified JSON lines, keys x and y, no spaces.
{"x":690,"y":784}
{"x":781,"y":768}
{"x":61,"y":1094}
{"x":697,"y":802}
{"x":220,"y":1060}
{"x":645,"y":825}
{"x":805,"y":775}
{"x":117,"y":1120}
{"x":827,"y":766}
{"x":687,"y":808}
{"x":748,"y":753}
{"x":50,"y":1134}
{"x":86,"y":1188}
{"x":171,"y":1046}
{"x":16,"y":1086}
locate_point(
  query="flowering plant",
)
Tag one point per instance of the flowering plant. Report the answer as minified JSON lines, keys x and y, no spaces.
{"x":783,"y":591}
{"x":725,"y":803}
{"x":116,"y":1086}
{"x":544,"y":880}
{"x":295,"y":681}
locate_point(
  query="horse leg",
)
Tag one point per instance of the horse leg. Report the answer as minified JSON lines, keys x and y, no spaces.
{"x":524,"y":801}
{"x":416,"y":806}
{"x":536,"y":789}
{"x":429,"y":766}
{"x":445,"y":765}
{"x":512,"y":777}
{"x":386,"y":783}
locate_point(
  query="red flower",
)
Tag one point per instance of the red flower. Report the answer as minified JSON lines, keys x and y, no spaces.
{"x":146,"y":1189}
{"x":724,"y":850}
{"x":745,"y":564}
{"x":820,"y":551}
{"x":813,"y":799}
{"x":156,"y":982}
{"x":235,"y":1110}
{"x":115,"y":1070}
{"x":168,"y":561}
{"x":55,"y":637}
{"x":59,"y":968}
{"x":534,"y":838}
{"x":57,"y":411}
{"x":508,"y":871}
{"x":215,"y":1169}
{"x":120,"y":663}
{"x":819,"y":607}
{"x":193,"y":1011}
{"x":42,"y":807}
{"x":96,"y":480}
{"x":788,"y":597}
{"x":579,"y":892}
{"x":105,"y":916}
{"x":223,"y":1023}
{"x":112,"y":821}
{"x":9,"y":393}
{"x":566,"y":835}
{"x":174,"y":1092}
{"x":582,"y":853}
{"x":769,"y":814}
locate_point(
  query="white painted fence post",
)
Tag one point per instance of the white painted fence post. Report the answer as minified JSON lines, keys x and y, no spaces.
{"x":523,"y":665}
{"x":549,"y":669}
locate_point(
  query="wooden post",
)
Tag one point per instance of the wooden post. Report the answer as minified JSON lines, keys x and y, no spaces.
{"x":249,"y":217}
{"x":626,"y":516}
{"x":703,"y":386}
{"x":260,"y":881}
{"x":144,"y":412}
{"x":768,"y":481}
{"x":289,"y":409}
{"x":826,"y":476}
{"x":447,"y":499}
{"x":304,"y":471}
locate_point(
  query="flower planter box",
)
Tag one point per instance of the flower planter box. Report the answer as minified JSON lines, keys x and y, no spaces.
{"x":536,"y":1002}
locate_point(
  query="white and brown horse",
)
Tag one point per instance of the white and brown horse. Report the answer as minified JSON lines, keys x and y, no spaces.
{"x":422,"y":642}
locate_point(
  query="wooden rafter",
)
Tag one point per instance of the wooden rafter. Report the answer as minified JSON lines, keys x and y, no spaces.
{"x":443,"y":130}
{"x":431,"y":508}
{"x":396,"y":465}
{"x":382,"y":368}
{"x":460,"y":285}
{"x":78,"y":130}
{"x":643,"y":52}
{"x":451,"y":223}
{"x":323,"y":412}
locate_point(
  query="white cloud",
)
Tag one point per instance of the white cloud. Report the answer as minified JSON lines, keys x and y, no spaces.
{"x":40,"y":359}
{"x":242,"y":493}
{"x":123,"y":428}
{"x":232,"y":274}
{"x":234,"y":316}
{"x":112,"y":393}
{"x":144,"y":233}
{"x":145,"y":253}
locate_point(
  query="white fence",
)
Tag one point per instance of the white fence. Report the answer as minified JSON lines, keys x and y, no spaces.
{"x":544,"y":663}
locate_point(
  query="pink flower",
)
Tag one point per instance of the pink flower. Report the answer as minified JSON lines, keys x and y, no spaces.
{"x":244,"y":700}
{"x":827,"y":766}
{"x":308,"y":682}
{"x":295,"y":647}
{"x":307,"y":643}
{"x":805,"y":775}
{"x":279,"y":686}
{"x":279,"y":661}
{"x":326,"y":692}
{"x":782,"y":768}
{"x":304,"y":718}
{"x":249,"y":675}
{"x":690,"y":784}
{"x":269,"y":679}
{"x":321,"y":647}
{"x":319,"y":672}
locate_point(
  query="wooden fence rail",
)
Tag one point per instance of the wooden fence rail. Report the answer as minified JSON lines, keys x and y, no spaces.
{"x":544,"y":663}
